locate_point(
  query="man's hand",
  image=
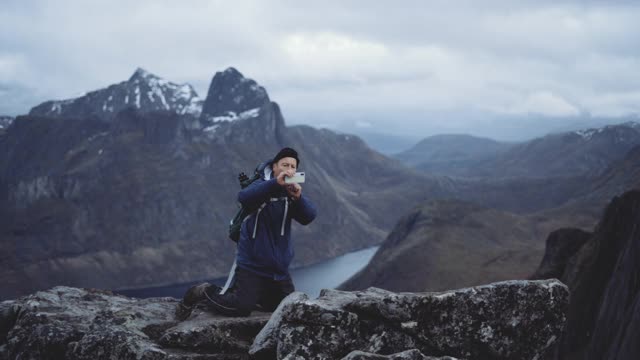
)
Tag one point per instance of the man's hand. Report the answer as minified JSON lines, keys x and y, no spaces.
{"x":294,"y":190}
{"x":280,"y":178}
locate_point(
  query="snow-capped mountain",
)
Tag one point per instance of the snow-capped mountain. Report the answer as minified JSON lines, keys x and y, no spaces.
{"x":5,"y":121}
{"x":586,"y":152}
{"x":619,"y":129}
{"x":143,"y":90}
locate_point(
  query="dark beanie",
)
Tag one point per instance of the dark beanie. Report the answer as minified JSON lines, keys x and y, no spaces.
{"x":286,"y":152}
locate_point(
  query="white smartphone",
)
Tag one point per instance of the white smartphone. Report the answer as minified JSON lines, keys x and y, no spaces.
{"x":296,"y":178}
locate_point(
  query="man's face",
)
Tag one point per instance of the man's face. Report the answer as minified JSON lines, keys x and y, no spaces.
{"x":286,"y":164}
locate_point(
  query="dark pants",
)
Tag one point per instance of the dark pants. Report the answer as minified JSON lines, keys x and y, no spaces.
{"x":248,"y":292}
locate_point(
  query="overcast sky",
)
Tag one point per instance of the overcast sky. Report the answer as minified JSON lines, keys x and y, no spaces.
{"x":366,"y":63}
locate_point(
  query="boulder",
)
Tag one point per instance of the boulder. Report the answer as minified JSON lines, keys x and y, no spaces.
{"x":73,"y":323}
{"x":505,"y":320}
{"x":405,"y":355}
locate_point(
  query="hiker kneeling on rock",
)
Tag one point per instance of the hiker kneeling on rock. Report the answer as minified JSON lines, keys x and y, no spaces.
{"x":260,"y":278}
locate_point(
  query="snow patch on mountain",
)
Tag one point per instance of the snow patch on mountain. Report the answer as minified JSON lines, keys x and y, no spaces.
{"x":588,"y":134}
{"x":5,"y":121}
{"x":143,"y":90}
{"x":232,"y":116}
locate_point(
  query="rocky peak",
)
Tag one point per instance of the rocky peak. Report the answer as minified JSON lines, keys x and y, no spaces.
{"x":231,"y":96}
{"x":507,"y":320}
{"x":144,"y":91}
{"x":142,"y":75}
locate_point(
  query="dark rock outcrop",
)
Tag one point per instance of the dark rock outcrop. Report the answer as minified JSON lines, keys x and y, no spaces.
{"x":602,"y":274}
{"x":561,"y":245}
{"x":509,"y":320}
{"x":231,"y":94}
{"x":74,"y":323}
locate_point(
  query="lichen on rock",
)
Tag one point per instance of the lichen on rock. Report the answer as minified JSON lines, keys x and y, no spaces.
{"x":506,"y":320}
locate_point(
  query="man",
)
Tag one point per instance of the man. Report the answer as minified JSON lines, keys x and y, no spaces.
{"x":261,"y":278}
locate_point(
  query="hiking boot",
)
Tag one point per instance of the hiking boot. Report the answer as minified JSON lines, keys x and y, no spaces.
{"x":182,"y":311}
{"x":195,"y":294}
{"x":191,"y":297}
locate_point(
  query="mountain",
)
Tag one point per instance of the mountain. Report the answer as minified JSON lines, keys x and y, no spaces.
{"x":384,"y":143}
{"x":144,"y":198}
{"x":447,"y":244}
{"x":451,"y":154}
{"x":593,"y":194}
{"x":144,"y":91}
{"x":601,"y":269}
{"x":232,"y":96}
{"x":584,"y":152}
{"x":619,"y":176}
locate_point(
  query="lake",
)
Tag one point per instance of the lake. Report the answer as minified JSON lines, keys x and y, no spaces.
{"x":309,"y":279}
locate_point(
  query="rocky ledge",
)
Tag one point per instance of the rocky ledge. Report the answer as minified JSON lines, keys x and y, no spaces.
{"x":505,"y":320}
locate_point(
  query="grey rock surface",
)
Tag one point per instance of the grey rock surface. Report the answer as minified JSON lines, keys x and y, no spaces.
{"x":266,"y":340}
{"x":72,"y":323}
{"x":505,"y":320}
{"x":405,"y":355}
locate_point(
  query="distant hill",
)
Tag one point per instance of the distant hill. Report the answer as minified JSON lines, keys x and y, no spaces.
{"x":450,"y":244}
{"x":441,"y":245}
{"x":388,"y":144}
{"x":584,"y":152}
{"x":451,"y":154}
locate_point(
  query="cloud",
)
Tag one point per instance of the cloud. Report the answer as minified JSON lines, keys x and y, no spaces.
{"x":363,"y":124}
{"x":542,"y":103}
{"x":336,"y":60}
{"x":615,"y":104}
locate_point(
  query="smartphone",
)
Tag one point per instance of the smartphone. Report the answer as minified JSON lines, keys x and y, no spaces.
{"x":296,"y":178}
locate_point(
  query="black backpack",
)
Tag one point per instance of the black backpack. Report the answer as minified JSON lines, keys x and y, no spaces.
{"x":244,"y":212}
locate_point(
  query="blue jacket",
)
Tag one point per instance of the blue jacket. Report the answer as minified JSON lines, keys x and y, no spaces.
{"x":265,"y":246}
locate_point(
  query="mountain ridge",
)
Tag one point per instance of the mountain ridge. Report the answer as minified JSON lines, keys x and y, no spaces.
{"x":143,"y":90}
{"x":585,"y":152}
